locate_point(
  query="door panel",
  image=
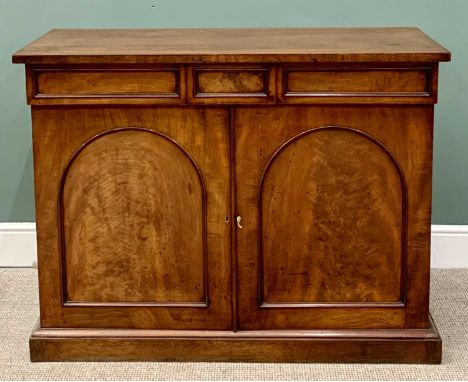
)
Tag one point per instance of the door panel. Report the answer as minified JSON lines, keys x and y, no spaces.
{"x":140,"y":196}
{"x":329,"y":239}
{"x":332,"y":205}
{"x":128,"y":198}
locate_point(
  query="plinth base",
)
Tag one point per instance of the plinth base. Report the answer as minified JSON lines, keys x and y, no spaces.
{"x":366,"y":346}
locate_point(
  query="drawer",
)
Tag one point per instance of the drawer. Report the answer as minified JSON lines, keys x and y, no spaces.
{"x":231,"y":85}
{"x":72,"y":86}
{"x":376,"y":85}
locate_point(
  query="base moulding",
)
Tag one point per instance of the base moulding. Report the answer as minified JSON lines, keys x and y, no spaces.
{"x":340,"y":345}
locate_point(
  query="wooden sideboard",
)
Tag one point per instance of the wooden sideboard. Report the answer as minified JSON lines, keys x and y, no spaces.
{"x":234,"y":194}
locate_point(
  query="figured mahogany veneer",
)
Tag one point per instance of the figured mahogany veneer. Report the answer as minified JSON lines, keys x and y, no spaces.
{"x":234,"y":195}
{"x":111,"y":154}
{"x":232,"y":85}
{"x":113,"y":85}
{"x":212,"y":45}
{"x":364,"y":84}
{"x":303,"y":270}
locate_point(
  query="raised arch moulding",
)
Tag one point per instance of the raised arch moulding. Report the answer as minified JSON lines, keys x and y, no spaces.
{"x":121,"y":222}
{"x":346,"y":243}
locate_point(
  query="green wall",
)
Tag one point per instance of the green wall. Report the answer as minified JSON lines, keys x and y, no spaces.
{"x":24,"y":20}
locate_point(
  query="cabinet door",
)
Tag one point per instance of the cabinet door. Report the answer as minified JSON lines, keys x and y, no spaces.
{"x":131,"y":213}
{"x":335,"y":211}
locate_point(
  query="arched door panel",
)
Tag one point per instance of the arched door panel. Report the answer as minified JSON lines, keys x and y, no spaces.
{"x":331,"y":212}
{"x":129,"y":196}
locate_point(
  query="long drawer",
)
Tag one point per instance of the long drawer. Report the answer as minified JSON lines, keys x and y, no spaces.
{"x":317,"y":84}
{"x":107,"y":85}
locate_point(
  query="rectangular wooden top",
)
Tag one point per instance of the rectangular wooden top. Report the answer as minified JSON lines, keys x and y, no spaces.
{"x":130,"y":46}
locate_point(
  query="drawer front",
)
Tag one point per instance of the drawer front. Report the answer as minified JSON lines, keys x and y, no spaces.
{"x":376,"y":85}
{"x":159,"y":85}
{"x":231,"y":85}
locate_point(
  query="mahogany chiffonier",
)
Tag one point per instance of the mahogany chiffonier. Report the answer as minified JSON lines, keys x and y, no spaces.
{"x":234,"y":194}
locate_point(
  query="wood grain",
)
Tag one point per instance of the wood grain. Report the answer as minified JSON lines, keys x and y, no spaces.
{"x":203,"y":134}
{"x":101,"y":46}
{"x":128,"y":196}
{"x":391,"y":83}
{"x":375,"y":346}
{"x":260,"y":132}
{"x":342,"y":241}
{"x":354,"y":81}
{"x":112,"y":84}
{"x":231,"y":84}
{"x":427,"y":351}
{"x":107,"y":82}
{"x":378,"y":83}
{"x":231,"y":81}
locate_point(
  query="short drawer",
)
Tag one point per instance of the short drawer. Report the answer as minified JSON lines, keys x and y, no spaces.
{"x":231,"y":85}
{"x":311,"y":85}
{"x":162,"y":85}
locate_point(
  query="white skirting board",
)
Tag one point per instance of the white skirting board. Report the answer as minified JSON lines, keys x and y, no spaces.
{"x":18,"y":245}
{"x":449,"y":246}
